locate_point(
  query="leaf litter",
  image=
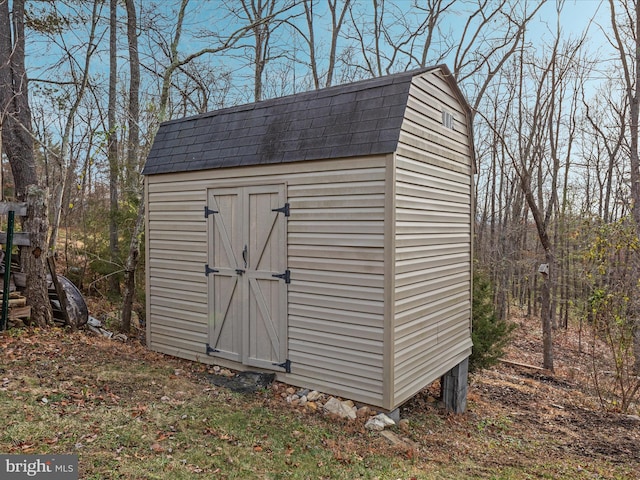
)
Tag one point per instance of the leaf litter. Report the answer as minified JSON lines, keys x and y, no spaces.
{"x":119,"y":406}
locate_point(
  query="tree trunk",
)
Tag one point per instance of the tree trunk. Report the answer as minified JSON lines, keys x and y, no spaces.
{"x":15,"y":121}
{"x":65,"y":155}
{"x":132,"y":166}
{"x":33,"y":258}
{"x":112,"y":150}
{"x":546,"y":312}
{"x":132,"y":160}
{"x":631,"y":77}
{"x":130,"y":269}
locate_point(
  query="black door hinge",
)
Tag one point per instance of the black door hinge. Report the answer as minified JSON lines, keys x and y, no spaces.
{"x":284,"y":210}
{"x":208,"y":211}
{"x":211,"y":350}
{"x":208,"y":270}
{"x":286,"y":365}
{"x":286,"y":276}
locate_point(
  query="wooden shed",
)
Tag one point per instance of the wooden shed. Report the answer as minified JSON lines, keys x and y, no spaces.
{"x":325,"y":236}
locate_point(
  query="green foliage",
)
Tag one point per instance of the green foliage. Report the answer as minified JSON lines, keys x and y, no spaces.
{"x":490,"y":334}
{"x":611,"y":263}
{"x":87,"y":255}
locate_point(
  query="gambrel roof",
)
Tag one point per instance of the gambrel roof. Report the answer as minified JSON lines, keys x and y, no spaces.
{"x":356,"y":119}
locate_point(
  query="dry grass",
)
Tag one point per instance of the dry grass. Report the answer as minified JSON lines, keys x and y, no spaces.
{"x":133,"y":414}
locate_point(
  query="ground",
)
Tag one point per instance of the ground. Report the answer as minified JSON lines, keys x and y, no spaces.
{"x":130,"y":413}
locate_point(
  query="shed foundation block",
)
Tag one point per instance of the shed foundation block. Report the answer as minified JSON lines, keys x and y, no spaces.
{"x":454,"y":386}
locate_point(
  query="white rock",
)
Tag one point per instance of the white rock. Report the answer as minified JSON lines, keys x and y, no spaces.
{"x":342,"y":409}
{"x":379,"y":422}
{"x":313,"y":396}
{"x":94,"y":322}
{"x":388,"y":421}
{"x":374,"y":424}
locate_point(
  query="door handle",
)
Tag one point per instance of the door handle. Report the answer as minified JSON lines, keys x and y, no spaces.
{"x":244,"y":256}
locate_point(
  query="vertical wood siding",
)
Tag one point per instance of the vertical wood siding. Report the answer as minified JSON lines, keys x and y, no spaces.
{"x":432,"y":323}
{"x":335,"y":254}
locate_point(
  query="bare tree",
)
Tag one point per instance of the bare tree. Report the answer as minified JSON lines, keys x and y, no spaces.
{"x":132,"y":165}
{"x":542,"y":110}
{"x":607,"y":118}
{"x":17,"y":143}
{"x":629,"y":55}
{"x":338,"y":14}
{"x":80,"y":74}
{"x":112,"y":146}
{"x":261,"y":20}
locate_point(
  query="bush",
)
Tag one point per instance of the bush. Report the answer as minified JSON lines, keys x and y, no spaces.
{"x":490,"y":335}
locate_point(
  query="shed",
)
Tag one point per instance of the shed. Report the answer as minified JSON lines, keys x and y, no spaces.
{"x":325,"y":236}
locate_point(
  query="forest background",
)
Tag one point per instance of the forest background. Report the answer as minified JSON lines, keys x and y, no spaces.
{"x":553,"y":86}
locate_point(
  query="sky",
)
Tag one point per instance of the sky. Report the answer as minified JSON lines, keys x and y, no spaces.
{"x":575,"y":17}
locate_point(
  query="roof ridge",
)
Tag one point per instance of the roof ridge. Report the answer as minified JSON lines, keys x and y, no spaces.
{"x":354,"y":119}
{"x":332,"y":90}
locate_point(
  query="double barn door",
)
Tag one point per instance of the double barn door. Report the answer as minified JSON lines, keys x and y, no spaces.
{"x":248,"y":275}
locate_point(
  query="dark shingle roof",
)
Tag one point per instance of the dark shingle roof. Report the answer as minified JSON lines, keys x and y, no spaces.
{"x":361,"y":118}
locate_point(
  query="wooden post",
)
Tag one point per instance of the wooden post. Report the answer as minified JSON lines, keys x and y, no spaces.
{"x":7,"y":271}
{"x":454,"y":386}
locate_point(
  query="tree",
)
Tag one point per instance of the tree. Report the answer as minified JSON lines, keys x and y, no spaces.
{"x":338,"y":14}
{"x":542,"y":109}
{"x":132,"y":162}
{"x":17,"y":143}
{"x":629,"y":55}
{"x":80,"y":74}
{"x":261,"y":20}
{"x":112,"y":146}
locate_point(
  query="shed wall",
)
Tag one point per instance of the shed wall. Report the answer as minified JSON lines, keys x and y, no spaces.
{"x":335,"y":253}
{"x":433,"y":200}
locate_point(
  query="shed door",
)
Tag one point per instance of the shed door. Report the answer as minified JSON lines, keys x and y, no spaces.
{"x":248,"y":316}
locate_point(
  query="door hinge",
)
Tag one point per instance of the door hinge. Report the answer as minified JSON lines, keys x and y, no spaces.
{"x":284,"y":210}
{"x":208,"y":270}
{"x":208,"y":211}
{"x":286,"y":365}
{"x":211,"y":350}
{"x":286,"y":276}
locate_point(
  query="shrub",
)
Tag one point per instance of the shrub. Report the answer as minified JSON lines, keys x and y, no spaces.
{"x":490,"y":334}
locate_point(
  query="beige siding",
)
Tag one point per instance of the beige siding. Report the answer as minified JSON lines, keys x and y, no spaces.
{"x":379,"y":250}
{"x":335,"y":254}
{"x":176,"y":290}
{"x":432,"y":275}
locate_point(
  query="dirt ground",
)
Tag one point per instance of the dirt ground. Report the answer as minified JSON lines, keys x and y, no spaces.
{"x":520,"y":418}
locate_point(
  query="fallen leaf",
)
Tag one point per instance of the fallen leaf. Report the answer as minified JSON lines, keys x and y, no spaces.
{"x":156,"y":447}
